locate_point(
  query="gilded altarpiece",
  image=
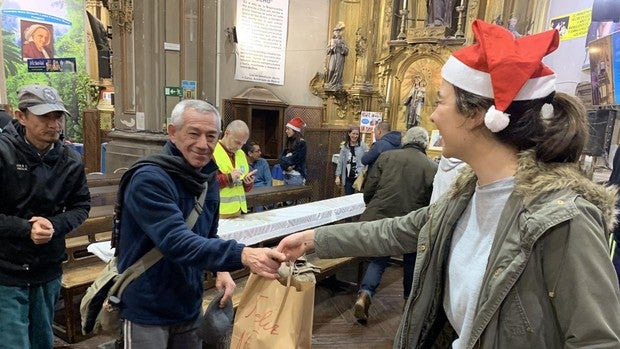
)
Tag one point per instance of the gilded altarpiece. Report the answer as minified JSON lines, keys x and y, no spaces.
{"x":407,"y":51}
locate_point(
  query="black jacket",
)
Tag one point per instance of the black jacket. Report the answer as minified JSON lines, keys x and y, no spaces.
{"x":400,"y":181}
{"x":52,"y":186}
{"x":389,"y":141}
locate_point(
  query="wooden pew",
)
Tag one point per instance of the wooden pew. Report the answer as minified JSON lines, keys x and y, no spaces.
{"x":97,"y":179}
{"x":80,"y":270}
{"x":105,"y":194}
{"x":264,"y":196}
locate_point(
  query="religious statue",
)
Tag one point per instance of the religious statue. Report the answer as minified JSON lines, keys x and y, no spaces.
{"x":439,"y":12}
{"x":415,"y":101}
{"x":336,"y":50}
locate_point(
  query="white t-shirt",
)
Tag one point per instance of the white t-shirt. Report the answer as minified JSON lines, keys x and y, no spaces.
{"x":469,"y":254}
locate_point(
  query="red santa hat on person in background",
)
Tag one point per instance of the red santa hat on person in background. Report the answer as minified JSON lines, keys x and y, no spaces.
{"x":503,"y":68}
{"x":296,"y":124}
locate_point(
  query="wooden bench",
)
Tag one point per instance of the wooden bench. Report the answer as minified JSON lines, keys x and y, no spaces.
{"x":264,"y":196}
{"x":80,"y":270}
{"x":105,"y":194}
{"x":97,"y":179}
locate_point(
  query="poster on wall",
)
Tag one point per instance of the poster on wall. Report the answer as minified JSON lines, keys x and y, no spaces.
{"x":44,"y":42}
{"x":262,"y":28}
{"x":573,"y":25}
{"x":603,"y":64}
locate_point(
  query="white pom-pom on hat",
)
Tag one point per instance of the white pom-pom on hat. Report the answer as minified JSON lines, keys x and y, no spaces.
{"x":547,"y":111}
{"x":496,"y":120}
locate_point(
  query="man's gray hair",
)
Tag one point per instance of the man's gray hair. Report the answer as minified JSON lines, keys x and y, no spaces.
{"x":238,"y":126}
{"x":416,"y":135}
{"x":203,"y":107}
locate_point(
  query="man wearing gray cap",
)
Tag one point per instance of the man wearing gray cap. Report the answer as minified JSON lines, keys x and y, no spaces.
{"x":44,"y":196}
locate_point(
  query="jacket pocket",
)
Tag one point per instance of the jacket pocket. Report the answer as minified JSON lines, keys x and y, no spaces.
{"x":514,"y":317}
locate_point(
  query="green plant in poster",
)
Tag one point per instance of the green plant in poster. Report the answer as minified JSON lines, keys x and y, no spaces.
{"x":12,"y":55}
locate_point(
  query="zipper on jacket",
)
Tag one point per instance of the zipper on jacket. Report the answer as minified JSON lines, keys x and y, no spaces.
{"x":404,"y":337}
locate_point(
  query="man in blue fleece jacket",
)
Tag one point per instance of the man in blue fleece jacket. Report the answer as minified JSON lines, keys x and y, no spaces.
{"x":161,"y":308}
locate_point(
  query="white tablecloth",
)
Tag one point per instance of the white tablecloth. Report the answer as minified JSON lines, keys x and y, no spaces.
{"x":256,"y":227}
{"x":253,"y":228}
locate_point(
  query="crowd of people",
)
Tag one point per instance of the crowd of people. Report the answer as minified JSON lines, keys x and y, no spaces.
{"x":504,"y":243}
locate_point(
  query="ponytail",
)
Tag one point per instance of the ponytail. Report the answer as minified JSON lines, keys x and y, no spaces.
{"x":565,"y":132}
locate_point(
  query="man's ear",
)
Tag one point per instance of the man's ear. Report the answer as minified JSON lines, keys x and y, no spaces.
{"x":172,"y":132}
{"x":21,"y":116}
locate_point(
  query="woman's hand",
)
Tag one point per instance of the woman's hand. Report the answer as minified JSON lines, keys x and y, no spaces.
{"x":296,"y":245}
{"x":337,"y":180}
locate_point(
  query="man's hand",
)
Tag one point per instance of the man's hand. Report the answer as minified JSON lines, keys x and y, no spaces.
{"x":42,"y":230}
{"x":236,"y":175}
{"x":249,"y":178}
{"x":225,"y":281}
{"x":296,"y":245}
{"x":262,"y":261}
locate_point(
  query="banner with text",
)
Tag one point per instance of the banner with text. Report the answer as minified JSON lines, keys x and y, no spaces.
{"x":572,"y":25}
{"x":261,"y":35}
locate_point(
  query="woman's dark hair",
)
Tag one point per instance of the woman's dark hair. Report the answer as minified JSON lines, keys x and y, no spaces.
{"x":559,"y":138}
{"x":292,"y":141}
{"x":348,"y":138}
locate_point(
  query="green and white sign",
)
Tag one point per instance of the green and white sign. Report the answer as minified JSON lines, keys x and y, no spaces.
{"x":173,"y":91}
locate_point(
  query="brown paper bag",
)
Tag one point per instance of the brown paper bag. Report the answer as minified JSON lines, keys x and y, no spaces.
{"x":358,"y":184}
{"x":272,"y":315}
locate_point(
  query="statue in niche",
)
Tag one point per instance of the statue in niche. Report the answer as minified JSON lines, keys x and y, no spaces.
{"x":337,"y":50}
{"x":439,"y":13}
{"x":415,"y":101}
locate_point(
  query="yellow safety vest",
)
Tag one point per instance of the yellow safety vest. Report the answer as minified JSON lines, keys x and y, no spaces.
{"x":232,"y":199}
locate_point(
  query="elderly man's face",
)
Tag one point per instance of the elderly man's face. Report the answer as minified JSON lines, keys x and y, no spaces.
{"x":233,"y":140}
{"x":40,"y":37}
{"x":196,"y":138}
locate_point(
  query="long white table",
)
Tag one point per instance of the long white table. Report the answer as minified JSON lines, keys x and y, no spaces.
{"x":253,"y":228}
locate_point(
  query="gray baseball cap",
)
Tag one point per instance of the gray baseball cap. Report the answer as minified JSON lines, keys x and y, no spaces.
{"x":40,"y":99}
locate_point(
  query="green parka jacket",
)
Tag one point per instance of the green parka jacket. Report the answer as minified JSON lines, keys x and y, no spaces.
{"x":549,"y":281}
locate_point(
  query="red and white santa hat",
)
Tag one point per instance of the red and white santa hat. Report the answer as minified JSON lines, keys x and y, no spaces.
{"x":296,"y":124}
{"x":504,"y":68}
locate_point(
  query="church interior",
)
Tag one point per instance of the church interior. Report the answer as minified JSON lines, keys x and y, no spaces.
{"x":332,"y":63}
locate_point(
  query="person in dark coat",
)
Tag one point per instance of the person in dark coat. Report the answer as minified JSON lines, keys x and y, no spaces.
{"x":385,"y":139}
{"x":162,"y":306}
{"x":44,"y":197}
{"x":400,"y":181}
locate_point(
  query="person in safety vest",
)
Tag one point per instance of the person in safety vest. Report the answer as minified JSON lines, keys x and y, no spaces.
{"x":234,"y":172}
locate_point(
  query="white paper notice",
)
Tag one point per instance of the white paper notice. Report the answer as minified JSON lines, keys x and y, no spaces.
{"x":140,"y":121}
{"x":261,"y":35}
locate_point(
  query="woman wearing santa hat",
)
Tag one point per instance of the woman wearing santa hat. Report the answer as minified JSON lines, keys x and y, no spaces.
{"x":515,"y":254}
{"x":293,"y":158}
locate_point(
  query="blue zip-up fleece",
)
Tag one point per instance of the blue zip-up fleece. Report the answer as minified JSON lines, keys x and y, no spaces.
{"x":389,"y":141}
{"x":155,"y":206}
